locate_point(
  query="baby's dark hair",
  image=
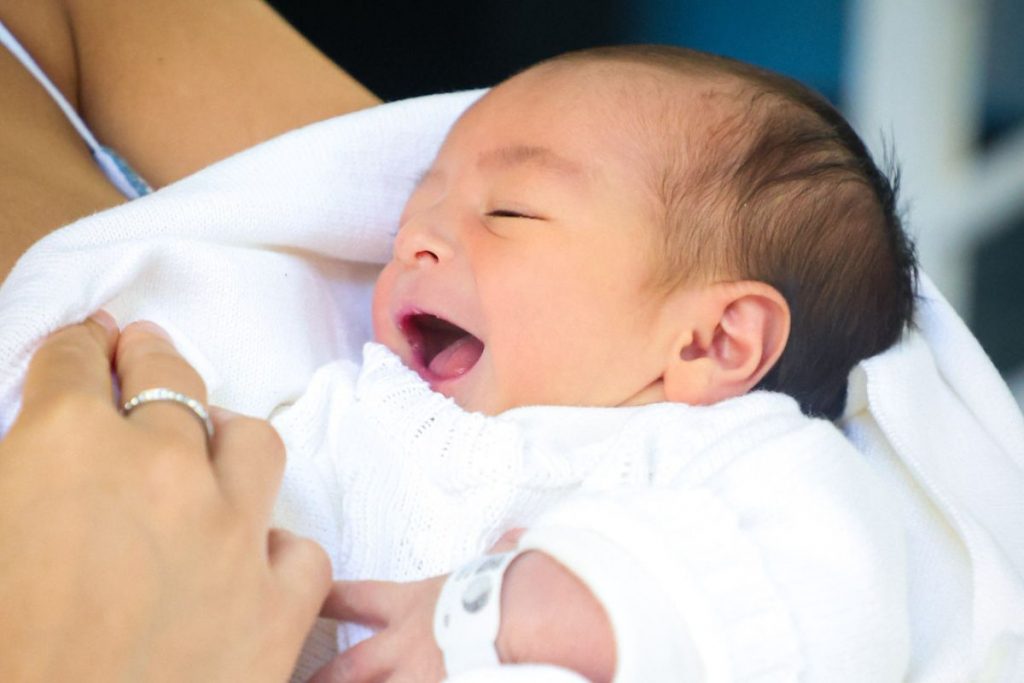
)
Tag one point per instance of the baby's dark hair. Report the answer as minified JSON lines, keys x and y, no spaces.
{"x":780,"y":189}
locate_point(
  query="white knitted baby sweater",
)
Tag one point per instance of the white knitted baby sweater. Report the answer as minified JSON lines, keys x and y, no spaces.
{"x":743,"y":540}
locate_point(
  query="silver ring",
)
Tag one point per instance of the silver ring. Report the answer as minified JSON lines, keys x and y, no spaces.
{"x":162,"y":394}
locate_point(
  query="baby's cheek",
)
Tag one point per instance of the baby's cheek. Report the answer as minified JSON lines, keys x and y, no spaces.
{"x":380,"y":310}
{"x":542,"y":376}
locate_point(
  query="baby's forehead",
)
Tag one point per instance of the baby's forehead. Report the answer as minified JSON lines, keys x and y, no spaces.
{"x":676,"y":116}
{"x":637,"y":100}
{"x":651,"y":122}
{"x":686,"y":94}
{"x":683,"y":112}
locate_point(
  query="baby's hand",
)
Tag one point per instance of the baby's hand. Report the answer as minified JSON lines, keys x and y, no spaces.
{"x":403,"y":614}
{"x":403,"y":648}
{"x":548,"y":616}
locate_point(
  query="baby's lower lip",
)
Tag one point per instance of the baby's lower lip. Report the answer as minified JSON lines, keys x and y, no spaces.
{"x":442,"y":384}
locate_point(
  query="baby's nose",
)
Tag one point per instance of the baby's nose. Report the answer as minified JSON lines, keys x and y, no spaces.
{"x":419,"y":243}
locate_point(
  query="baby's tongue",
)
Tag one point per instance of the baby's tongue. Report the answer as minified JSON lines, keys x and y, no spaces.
{"x":457,"y":358}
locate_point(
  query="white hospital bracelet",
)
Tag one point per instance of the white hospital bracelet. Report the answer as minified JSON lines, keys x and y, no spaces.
{"x":468,"y":613}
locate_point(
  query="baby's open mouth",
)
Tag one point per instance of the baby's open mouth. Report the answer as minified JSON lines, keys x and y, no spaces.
{"x":444,"y":349}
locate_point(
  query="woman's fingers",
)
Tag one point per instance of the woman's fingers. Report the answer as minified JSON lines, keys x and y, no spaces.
{"x":246,"y":454}
{"x":146,"y":359}
{"x":248,"y":461}
{"x":303,"y":571}
{"x":74,"y":361}
{"x":144,"y":517}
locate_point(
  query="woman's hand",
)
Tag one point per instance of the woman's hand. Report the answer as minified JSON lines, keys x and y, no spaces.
{"x":130,"y":549}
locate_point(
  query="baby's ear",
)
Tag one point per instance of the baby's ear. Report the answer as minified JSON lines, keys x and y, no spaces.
{"x":732,"y":339}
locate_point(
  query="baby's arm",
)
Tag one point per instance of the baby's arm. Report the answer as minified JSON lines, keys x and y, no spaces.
{"x":550,"y":616}
{"x":786,"y":558}
{"x":547,"y":616}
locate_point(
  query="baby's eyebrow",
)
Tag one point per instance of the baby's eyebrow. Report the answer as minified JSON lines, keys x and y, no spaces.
{"x":545,"y":157}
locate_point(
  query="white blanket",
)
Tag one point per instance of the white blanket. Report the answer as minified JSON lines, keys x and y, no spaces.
{"x":252,"y":263}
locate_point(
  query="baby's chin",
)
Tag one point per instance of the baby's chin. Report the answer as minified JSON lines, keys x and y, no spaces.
{"x":463,"y":390}
{"x":492,"y":403}
{"x":467,"y":393}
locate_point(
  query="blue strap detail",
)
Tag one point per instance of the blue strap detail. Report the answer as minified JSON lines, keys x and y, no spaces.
{"x":125,"y":178}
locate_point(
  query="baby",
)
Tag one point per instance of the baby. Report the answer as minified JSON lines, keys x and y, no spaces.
{"x":602,"y":243}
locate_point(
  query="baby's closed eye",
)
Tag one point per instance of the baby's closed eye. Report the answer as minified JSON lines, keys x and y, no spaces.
{"x":511,"y":213}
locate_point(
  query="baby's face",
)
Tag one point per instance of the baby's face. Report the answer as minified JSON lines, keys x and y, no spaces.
{"x":521,"y":270}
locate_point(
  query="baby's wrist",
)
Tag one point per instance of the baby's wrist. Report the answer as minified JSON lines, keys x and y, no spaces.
{"x":549,"y":616}
{"x":509,"y":643}
{"x":467,"y":613}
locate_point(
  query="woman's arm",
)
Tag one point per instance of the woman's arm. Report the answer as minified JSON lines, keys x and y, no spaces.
{"x":178,"y":84}
{"x":172,"y":85}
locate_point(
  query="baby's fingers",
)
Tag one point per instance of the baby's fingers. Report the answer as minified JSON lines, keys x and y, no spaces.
{"x":369,"y":661}
{"x":370,"y":603}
